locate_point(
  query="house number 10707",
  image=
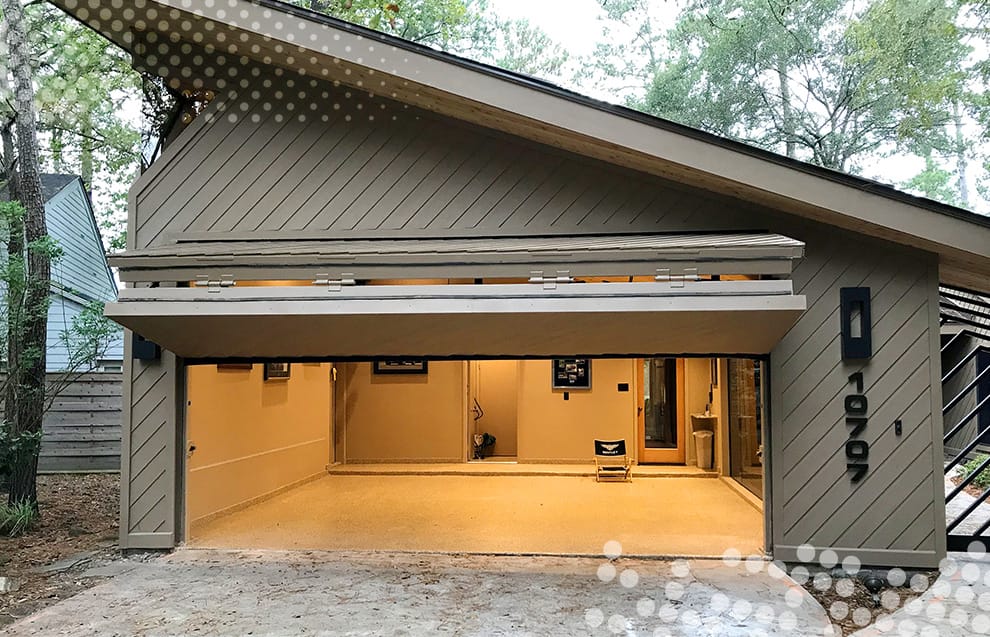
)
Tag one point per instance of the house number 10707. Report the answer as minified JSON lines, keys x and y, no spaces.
{"x":857,"y":450}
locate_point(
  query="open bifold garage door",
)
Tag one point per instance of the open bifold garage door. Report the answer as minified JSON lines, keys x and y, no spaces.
{"x":594,"y":296}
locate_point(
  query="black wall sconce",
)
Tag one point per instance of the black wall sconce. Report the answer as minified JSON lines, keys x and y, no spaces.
{"x":857,"y":337}
{"x":144,"y":350}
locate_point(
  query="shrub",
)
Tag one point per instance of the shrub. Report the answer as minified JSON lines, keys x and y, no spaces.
{"x":983,"y":479}
{"x":17,"y":519}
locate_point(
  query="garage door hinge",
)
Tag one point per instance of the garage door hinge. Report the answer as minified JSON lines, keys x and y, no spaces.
{"x":551,"y":283}
{"x":335,"y":285}
{"x":676,"y":278}
{"x":215,"y":285}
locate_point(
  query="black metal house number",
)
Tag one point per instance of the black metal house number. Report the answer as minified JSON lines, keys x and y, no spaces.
{"x":857,"y":450}
{"x":857,"y":344}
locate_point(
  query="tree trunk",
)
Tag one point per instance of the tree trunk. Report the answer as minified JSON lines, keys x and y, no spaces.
{"x":86,"y":153}
{"x":30,"y":373}
{"x":58,"y":151}
{"x":961,"y":162}
{"x":787,"y":112}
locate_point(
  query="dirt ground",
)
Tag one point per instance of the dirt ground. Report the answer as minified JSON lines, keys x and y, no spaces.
{"x":855,"y":596}
{"x":78,"y":515}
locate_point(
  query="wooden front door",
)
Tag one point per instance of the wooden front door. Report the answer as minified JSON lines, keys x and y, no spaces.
{"x":660,"y":410}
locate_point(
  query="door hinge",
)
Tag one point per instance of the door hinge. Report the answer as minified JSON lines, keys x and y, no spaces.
{"x":335,"y":285}
{"x":676,"y":278}
{"x":551,"y":283}
{"x":215,"y":285}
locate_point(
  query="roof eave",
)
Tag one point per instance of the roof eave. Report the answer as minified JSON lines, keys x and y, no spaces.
{"x":539,"y":111}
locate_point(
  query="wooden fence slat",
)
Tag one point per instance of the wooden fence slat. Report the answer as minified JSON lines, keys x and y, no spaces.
{"x":82,"y":426}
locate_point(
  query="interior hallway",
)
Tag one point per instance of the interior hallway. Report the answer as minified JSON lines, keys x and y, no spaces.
{"x":495,"y":514}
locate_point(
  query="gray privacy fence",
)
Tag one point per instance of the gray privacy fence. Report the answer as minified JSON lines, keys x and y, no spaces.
{"x":82,"y":427}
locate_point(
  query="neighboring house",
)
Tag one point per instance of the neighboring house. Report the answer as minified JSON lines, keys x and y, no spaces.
{"x":81,"y":275}
{"x":82,"y":427}
{"x":356,"y":200}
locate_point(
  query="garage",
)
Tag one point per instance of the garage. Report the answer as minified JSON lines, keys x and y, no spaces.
{"x":331,"y":198}
{"x":459,"y":414}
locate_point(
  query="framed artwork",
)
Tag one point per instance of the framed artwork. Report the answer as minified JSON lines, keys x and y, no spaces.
{"x":571,"y":373}
{"x":400,"y":366}
{"x":277,"y":371}
{"x":234,"y":367}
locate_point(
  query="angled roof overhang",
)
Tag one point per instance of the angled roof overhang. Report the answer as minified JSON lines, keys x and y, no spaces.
{"x":312,"y":44}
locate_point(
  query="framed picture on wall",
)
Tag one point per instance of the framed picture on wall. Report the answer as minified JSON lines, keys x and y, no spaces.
{"x":234,"y":367}
{"x":277,"y":371}
{"x":400,"y":366}
{"x":571,"y":373}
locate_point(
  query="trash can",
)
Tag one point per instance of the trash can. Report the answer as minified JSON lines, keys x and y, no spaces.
{"x":703,"y":448}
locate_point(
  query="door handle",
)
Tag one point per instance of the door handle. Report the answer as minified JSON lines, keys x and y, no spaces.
{"x":479,"y":413}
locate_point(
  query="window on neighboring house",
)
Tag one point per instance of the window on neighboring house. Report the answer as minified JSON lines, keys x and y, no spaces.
{"x":109,"y":366}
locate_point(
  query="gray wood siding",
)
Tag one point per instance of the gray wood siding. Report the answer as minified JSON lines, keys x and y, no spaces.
{"x":82,"y":269}
{"x":79,"y":276}
{"x":895,"y":514}
{"x":952,"y":357}
{"x":405,"y":172}
{"x":61,"y":313}
{"x":82,"y":428}
{"x":149,"y":457}
{"x":267,"y":174}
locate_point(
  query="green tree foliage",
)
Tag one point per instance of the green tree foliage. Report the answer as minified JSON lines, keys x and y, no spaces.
{"x":818,"y":80}
{"x":83,"y":83}
{"x":465,"y":27}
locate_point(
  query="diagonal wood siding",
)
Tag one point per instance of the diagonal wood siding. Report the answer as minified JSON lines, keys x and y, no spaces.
{"x":149,"y":458}
{"x":306,"y":159}
{"x":894,"y":515}
{"x":342,"y":172}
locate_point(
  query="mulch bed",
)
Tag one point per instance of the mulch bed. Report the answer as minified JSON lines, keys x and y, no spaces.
{"x":971,"y":489}
{"x":79,"y":514}
{"x":859,"y":597}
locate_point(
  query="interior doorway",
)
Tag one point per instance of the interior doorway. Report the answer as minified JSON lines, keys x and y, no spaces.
{"x":660,"y":411}
{"x":494,"y":409}
{"x":747,"y":416}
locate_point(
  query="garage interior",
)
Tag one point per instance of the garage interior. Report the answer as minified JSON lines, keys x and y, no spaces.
{"x":378,"y":456}
{"x":380,"y":407}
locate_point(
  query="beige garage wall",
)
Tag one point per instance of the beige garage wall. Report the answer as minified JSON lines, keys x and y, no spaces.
{"x":495,"y":385}
{"x":253,"y":437}
{"x":552,"y":429}
{"x":405,"y":417}
{"x":697,"y":382}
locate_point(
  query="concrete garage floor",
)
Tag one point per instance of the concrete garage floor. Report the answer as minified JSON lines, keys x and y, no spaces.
{"x":495,"y":514}
{"x":284,"y":594}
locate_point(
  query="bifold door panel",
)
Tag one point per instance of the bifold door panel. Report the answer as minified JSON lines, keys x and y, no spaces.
{"x":466,"y":321}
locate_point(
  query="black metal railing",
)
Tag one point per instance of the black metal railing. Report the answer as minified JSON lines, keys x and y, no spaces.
{"x":967,"y":427}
